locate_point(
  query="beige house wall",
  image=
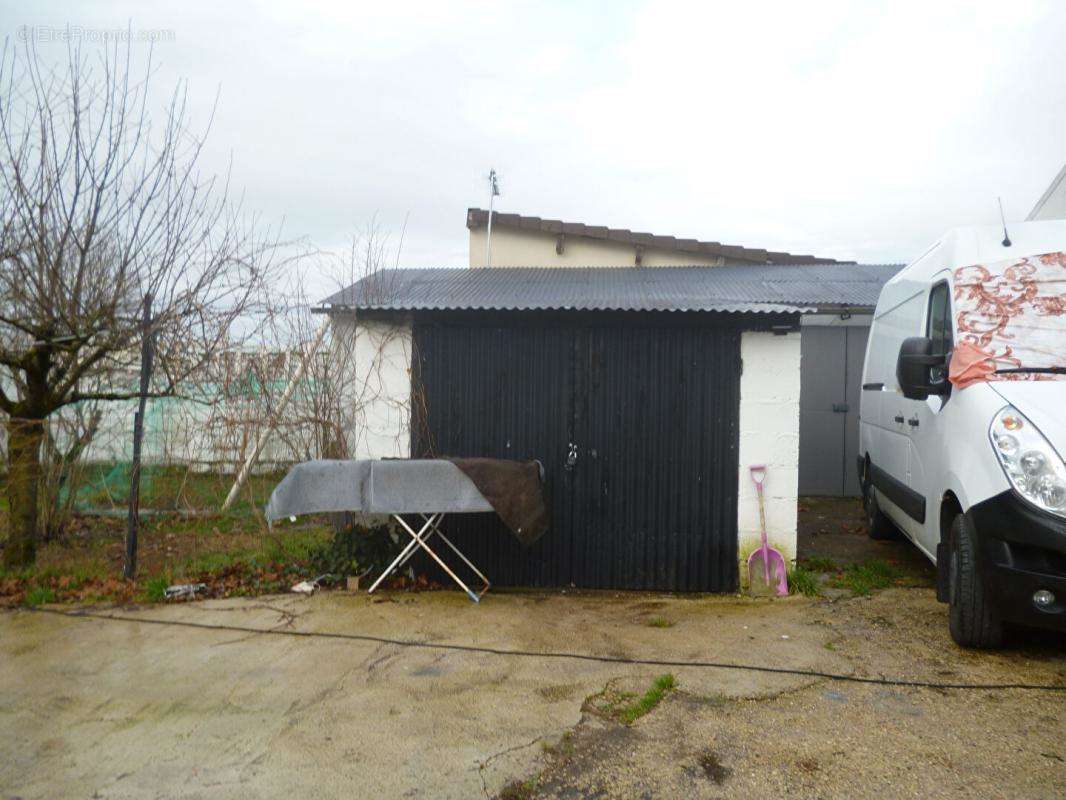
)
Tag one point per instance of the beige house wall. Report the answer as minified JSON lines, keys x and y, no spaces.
{"x":513,"y":247}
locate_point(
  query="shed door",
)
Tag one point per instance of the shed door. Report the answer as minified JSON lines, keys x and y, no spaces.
{"x":636,"y":427}
{"x":830,"y":388}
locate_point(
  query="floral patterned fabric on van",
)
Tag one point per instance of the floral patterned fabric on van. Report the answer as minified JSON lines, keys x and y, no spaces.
{"x":1010,"y":314}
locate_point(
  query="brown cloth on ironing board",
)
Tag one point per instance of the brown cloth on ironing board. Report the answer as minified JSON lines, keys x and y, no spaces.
{"x":514,"y":490}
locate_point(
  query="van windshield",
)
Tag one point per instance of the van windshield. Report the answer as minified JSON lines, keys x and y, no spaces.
{"x":1014,"y":312}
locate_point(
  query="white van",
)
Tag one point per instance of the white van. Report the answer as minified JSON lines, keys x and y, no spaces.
{"x":969,"y":466}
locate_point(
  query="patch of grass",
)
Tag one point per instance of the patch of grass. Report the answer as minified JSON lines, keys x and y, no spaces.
{"x":804,"y":581}
{"x":819,"y":564}
{"x":566,"y":744}
{"x":518,"y":790}
{"x":80,"y":574}
{"x":660,"y":622}
{"x":39,"y":595}
{"x":106,"y":485}
{"x":214,"y":562}
{"x":155,"y":588}
{"x":291,"y":546}
{"x":563,"y":748}
{"x":69,"y":578}
{"x":663,"y":685}
{"x":184,"y":538}
{"x":862,"y":579}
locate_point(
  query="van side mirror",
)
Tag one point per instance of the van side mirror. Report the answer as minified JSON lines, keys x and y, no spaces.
{"x":914,"y":366}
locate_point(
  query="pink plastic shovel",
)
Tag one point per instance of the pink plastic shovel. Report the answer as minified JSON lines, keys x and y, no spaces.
{"x":765,"y":561}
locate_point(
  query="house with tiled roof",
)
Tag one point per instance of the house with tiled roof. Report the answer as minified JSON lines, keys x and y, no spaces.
{"x":523,"y":241}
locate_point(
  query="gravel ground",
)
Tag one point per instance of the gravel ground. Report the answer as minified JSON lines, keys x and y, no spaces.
{"x":830,"y":739}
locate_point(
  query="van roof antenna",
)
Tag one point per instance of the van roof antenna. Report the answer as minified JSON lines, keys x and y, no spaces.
{"x":1003,"y":219}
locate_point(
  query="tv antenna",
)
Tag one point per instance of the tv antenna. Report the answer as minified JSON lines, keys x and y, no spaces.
{"x":1003,"y":219}
{"x":494,"y":192}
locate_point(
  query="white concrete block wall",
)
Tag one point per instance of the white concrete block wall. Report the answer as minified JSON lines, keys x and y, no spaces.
{"x":769,"y":434}
{"x":377,"y":390}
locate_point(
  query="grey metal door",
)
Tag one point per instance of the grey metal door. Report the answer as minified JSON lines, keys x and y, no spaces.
{"x":830,"y":386}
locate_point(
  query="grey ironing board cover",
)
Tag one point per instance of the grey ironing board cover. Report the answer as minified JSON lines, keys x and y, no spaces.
{"x":400,"y":486}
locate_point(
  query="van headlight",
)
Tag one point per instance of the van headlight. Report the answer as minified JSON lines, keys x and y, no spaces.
{"x":1031,"y":464}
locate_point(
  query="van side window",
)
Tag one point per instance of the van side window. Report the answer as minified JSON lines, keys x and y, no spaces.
{"x":938,"y":328}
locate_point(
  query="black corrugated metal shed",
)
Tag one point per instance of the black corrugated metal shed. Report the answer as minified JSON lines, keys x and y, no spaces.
{"x":623,"y":382}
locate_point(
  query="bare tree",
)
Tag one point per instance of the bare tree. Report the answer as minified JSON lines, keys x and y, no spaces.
{"x":100,"y":208}
{"x":309,"y":396}
{"x":66,"y":437}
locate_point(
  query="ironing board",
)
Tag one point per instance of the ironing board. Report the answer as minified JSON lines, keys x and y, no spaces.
{"x":427,"y":488}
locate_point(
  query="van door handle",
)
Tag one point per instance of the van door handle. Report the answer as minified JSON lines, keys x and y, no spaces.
{"x":840,"y":408}
{"x":913,"y":422}
{"x":898,"y":418}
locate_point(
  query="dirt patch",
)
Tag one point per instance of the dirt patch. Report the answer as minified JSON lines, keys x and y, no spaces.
{"x":648,"y":605}
{"x":832,"y":535}
{"x":713,"y":767}
{"x":558,"y":692}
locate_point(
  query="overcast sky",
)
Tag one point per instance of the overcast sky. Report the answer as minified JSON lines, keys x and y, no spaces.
{"x":851,"y":130}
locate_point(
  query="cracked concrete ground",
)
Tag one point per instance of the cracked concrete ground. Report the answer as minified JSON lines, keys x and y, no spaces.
{"x":92,"y":708}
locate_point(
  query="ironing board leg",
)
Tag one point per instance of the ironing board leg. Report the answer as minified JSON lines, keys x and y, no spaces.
{"x":436,"y":530}
{"x":423,"y":536}
{"x":412,"y":546}
{"x":405,"y":553}
{"x":420,"y":539}
{"x":466,"y":561}
{"x":435,"y":525}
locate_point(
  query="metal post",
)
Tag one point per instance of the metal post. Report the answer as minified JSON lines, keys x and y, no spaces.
{"x":494,"y":191}
{"x":129,"y":569}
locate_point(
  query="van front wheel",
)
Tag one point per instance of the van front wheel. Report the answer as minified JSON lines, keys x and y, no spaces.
{"x":970,"y":617}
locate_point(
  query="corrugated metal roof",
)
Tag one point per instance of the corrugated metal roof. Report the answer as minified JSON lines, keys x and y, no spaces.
{"x":749,"y":288}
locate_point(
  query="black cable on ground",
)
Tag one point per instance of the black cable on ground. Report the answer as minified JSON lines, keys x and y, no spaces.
{"x":466,"y":648}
